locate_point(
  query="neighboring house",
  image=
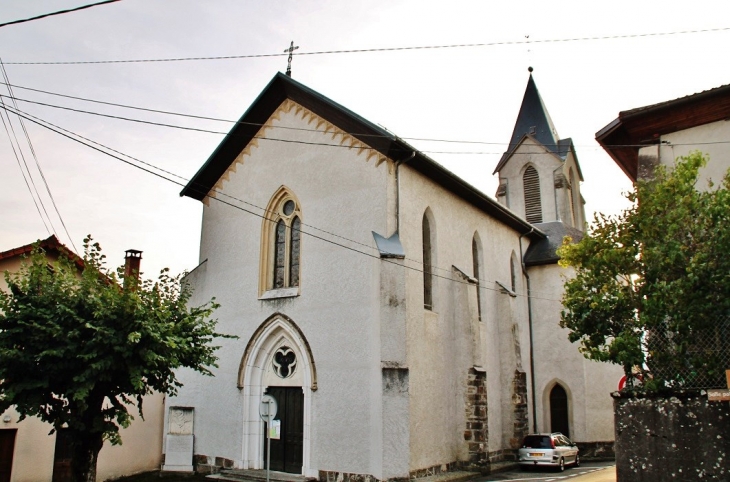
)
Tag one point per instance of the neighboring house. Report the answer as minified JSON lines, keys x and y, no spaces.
{"x":381,"y":299}
{"x":29,"y":454}
{"x":642,"y":138}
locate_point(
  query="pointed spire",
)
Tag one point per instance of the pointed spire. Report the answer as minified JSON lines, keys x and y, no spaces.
{"x":534,"y":119}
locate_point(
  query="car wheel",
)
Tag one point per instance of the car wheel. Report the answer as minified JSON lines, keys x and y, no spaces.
{"x":577,"y":460}
{"x":561,"y":465}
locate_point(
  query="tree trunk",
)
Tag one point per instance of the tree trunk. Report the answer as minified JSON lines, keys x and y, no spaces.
{"x":85,"y":450}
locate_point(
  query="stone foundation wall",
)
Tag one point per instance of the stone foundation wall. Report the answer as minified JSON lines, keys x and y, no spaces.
{"x":519,"y":410}
{"x":680,"y":436}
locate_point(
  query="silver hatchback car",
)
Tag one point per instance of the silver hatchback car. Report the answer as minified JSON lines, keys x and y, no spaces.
{"x":548,"y":449}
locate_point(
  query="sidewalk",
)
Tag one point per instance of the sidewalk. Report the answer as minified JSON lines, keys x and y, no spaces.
{"x":607,"y":474}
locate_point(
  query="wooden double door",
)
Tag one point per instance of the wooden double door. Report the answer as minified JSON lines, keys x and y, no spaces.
{"x":287,"y":452}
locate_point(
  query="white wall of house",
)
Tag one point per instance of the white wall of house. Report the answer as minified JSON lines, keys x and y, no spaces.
{"x":710,"y":139}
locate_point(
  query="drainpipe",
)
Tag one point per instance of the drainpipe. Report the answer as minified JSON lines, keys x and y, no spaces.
{"x":397,"y":191}
{"x":529,"y":322}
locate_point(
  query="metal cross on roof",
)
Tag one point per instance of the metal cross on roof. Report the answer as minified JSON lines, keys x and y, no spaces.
{"x":291,"y":50}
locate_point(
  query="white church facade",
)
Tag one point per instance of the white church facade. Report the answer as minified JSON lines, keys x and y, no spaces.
{"x":406,"y":322}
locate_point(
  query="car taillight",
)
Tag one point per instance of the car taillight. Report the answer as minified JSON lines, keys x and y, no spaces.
{"x":552,"y":442}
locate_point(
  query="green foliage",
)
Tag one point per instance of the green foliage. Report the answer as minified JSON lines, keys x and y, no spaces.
{"x":658,"y":271}
{"x":79,"y":349}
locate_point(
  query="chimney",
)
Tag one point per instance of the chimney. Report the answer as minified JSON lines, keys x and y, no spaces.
{"x":132,"y":261}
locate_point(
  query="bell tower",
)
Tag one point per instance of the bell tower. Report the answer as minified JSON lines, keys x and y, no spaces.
{"x":539,"y":174}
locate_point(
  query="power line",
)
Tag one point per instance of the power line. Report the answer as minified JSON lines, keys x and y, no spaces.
{"x":70,"y":136}
{"x":380,"y":49}
{"x":35,"y":157}
{"x":304,"y":129}
{"x":60,"y":12}
{"x":17,"y":158}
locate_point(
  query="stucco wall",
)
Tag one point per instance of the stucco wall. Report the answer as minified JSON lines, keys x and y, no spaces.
{"x":588,"y":383}
{"x":338,"y":308}
{"x":439,"y":341}
{"x":710,"y":139}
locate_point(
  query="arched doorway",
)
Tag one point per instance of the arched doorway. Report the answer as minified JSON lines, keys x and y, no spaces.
{"x":278,"y":361}
{"x":559,"y":410}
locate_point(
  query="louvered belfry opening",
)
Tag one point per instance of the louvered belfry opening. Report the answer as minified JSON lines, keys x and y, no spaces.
{"x":533,"y":201}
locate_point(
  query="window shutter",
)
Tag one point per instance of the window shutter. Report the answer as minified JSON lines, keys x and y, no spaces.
{"x":533,"y":201}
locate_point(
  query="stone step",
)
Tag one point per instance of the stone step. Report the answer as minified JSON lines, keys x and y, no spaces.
{"x":239,"y":475}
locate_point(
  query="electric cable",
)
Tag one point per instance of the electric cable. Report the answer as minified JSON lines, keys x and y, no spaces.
{"x":17,"y":158}
{"x":263,"y":216}
{"x":303,"y":129}
{"x":60,"y":12}
{"x":380,"y":49}
{"x":35,"y":157}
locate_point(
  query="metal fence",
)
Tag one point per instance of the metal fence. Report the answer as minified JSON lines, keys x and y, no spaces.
{"x":693,"y":359}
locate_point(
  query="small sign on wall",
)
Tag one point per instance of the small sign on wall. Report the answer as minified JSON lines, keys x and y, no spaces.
{"x":718,"y":395}
{"x":275,"y":430}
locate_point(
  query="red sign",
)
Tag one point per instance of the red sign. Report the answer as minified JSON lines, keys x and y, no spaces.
{"x":622,"y":383}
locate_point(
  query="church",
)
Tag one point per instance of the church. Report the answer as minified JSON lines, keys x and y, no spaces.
{"x":405,"y":322}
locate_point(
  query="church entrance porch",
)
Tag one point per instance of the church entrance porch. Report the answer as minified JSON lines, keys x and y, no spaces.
{"x":286,"y":452}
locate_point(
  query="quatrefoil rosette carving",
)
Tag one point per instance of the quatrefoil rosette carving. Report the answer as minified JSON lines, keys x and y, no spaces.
{"x":284,"y":362}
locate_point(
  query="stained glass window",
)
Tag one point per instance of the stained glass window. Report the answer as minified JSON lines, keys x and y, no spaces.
{"x":294,"y":252}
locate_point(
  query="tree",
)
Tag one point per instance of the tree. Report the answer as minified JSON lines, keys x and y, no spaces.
{"x":79,"y":350}
{"x":653,"y":282}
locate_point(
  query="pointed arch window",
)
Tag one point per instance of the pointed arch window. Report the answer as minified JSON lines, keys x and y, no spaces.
{"x":427,"y":264}
{"x":281,"y":245}
{"x":533,"y":199}
{"x":477,"y":274}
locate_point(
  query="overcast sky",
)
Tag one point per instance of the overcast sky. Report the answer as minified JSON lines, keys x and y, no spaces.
{"x":459,"y":94}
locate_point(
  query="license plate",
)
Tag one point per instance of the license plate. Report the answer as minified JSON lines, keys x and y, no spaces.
{"x":535,"y":455}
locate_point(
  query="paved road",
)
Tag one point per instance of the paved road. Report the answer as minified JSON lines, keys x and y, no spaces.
{"x":589,"y":472}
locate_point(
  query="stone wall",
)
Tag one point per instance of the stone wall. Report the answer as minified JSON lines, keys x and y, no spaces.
{"x":519,"y":400}
{"x":680,"y":436}
{"x":477,"y":433}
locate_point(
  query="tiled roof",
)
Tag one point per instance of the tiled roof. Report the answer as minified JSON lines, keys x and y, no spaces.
{"x":50,"y":244}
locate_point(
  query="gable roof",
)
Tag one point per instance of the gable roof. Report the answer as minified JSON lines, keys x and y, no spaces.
{"x":282,"y":87}
{"x":624,"y":136}
{"x":49,"y":245}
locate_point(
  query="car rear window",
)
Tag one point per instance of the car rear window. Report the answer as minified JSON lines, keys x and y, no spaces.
{"x":537,"y":442}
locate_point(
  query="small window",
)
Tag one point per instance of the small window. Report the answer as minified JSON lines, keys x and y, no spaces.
{"x":477,"y":274}
{"x":427,"y":265}
{"x":513,"y":274}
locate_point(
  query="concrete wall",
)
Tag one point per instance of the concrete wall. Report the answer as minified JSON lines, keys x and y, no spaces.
{"x":681,"y":437}
{"x":34,"y":448}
